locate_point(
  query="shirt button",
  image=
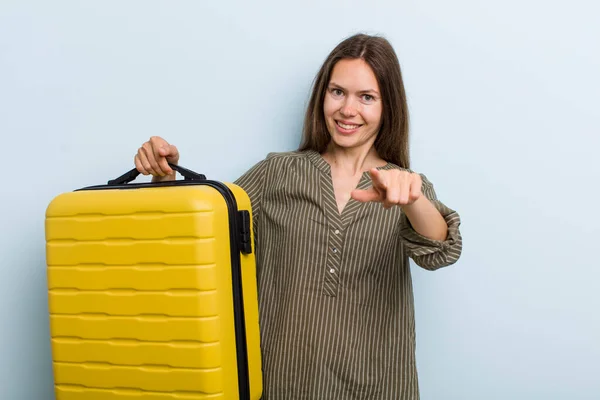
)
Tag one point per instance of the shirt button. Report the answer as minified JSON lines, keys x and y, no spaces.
{"x":337,"y":232}
{"x":334,"y":250}
{"x":332,"y":270}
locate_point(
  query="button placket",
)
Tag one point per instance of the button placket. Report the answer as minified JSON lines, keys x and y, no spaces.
{"x":331,"y":272}
{"x":333,"y":261}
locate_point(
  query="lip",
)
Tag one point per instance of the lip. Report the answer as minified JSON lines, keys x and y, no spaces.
{"x":344,"y":131}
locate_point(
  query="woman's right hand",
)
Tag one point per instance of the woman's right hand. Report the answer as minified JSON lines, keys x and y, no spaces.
{"x":153,"y":158}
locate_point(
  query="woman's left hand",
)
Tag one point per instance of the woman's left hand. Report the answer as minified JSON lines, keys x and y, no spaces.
{"x":391,"y":187}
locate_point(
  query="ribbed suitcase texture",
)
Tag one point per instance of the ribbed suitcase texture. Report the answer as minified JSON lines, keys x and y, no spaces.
{"x":146,"y":283}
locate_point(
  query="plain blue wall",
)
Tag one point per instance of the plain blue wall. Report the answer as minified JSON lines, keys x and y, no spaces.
{"x":504,"y":104}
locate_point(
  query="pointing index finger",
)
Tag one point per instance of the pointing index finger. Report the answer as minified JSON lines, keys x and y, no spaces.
{"x":379,"y":179}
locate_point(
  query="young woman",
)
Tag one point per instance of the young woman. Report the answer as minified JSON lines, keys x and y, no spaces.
{"x":335,"y":223}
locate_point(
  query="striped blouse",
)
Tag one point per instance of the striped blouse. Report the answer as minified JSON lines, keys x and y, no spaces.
{"x":335,"y":290}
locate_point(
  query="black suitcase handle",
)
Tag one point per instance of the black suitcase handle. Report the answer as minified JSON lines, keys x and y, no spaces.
{"x":187,"y":174}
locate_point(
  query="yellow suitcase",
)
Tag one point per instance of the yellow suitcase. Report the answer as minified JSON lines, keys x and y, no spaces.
{"x":152,"y":291}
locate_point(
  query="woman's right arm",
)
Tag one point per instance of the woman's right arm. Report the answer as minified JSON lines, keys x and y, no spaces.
{"x":153,"y":158}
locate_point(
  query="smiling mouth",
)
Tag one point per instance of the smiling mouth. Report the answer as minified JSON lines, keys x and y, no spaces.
{"x":346,"y":126}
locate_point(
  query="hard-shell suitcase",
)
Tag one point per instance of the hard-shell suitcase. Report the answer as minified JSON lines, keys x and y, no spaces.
{"x":152,"y":291}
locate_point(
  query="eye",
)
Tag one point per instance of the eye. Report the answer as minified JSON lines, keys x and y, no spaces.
{"x":337,"y":92}
{"x":368,"y":98}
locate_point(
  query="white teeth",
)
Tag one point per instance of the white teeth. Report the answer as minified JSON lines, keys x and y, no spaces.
{"x":347,"y":126}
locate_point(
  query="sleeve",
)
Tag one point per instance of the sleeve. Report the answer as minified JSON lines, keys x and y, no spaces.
{"x":427,"y":253}
{"x":253,"y":181}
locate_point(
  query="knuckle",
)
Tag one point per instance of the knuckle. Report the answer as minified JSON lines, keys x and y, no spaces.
{"x":157,"y":140}
{"x":393,"y":197}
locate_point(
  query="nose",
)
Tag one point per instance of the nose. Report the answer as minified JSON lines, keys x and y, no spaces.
{"x":348,"y":108}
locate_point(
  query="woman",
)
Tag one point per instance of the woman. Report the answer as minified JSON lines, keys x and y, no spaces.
{"x":335,"y":223}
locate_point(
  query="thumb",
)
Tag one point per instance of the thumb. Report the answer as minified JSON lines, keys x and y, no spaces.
{"x":366,"y":195}
{"x":169,"y":151}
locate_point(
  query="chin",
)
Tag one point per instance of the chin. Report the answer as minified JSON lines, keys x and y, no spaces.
{"x":344,"y":142}
{"x":348,"y":141}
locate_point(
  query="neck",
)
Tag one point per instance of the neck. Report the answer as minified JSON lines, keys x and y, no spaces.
{"x":353,"y":161}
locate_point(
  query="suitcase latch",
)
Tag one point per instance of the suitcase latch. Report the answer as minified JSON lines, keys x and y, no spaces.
{"x":245,"y":244}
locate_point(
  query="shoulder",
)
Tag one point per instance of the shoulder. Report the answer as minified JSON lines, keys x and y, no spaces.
{"x":280,"y":161}
{"x":284,"y":157}
{"x":272,"y":166}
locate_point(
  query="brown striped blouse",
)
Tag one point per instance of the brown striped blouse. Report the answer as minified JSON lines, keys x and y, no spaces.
{"x":335,"y":291}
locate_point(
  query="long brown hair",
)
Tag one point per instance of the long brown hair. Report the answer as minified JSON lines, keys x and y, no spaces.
{"x":392,"y":140}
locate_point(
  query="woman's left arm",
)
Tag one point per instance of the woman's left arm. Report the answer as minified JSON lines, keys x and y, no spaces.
{"x":426,"y":219}
{"x":429,"y":229}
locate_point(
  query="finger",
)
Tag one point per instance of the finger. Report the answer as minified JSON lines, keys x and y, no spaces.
{"x":394,"y":191}
{"x":149,"y":151}
{"x":365,"y":196}
{"x":169,"y":151}
{"x":161,"y":160}
{"x":139,"y":166}
{"x":381,"y":183}
{"x":145,"y":163}
{"x":415,"y":190}
{"x":161,"y":151}
{"x":170,"y":154}
{"x":404,"y":189}
{"x":174,"y":154}
{"x":379,"y":179}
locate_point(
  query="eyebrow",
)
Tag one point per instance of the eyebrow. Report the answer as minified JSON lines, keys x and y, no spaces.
{"x":361,"y":91}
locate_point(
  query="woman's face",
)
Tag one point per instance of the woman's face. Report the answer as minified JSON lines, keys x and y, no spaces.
{"x":353,"y":105}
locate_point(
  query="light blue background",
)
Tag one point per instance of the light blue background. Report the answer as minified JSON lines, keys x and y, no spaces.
{"x":504,"y":104}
